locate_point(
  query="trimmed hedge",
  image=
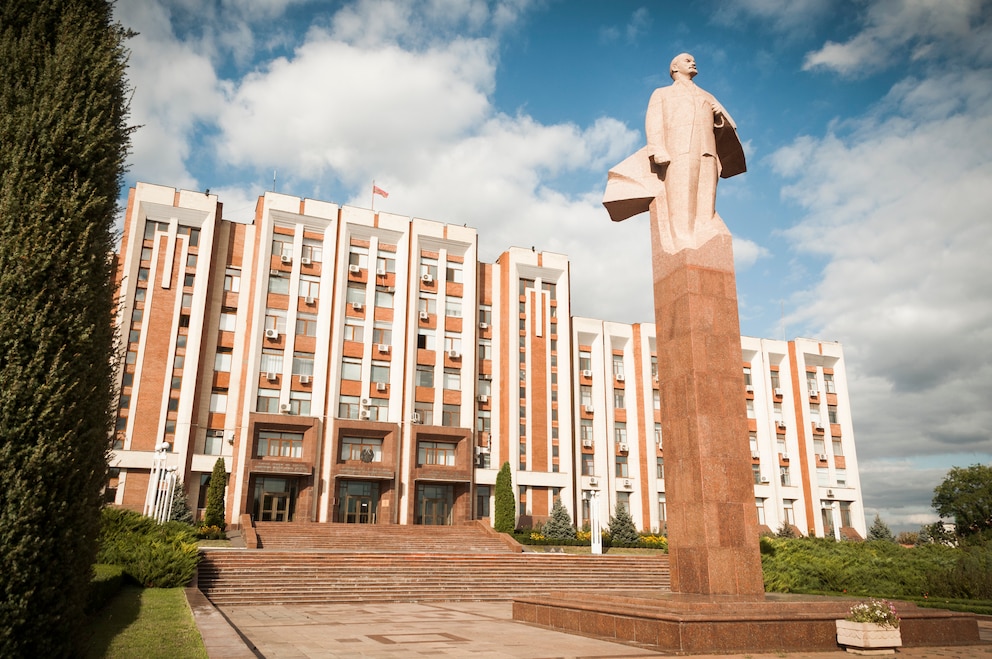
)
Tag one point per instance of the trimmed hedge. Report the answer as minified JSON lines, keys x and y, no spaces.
{"x":583,"y":539}
{"x":154,"y":555}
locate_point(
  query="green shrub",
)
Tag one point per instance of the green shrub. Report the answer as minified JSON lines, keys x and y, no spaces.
{"x":506,"y":503}
{"x":214,"y":514}
{"x":154,"y":555}
{"x":107,"y":580}
{"x":205,"y":532}
{"x":560,"y":526}
{"x":622,"y":531}
{"x":970,"y":576}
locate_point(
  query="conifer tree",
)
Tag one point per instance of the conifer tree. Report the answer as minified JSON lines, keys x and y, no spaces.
{"x":506,"y":504}
{"x":621,"y":528}
{"x":880,"y":530}
{"x":214,"y":514}
{"x":179,"y":511}
{"x":63,"y":143}
{"x":560,"y":526}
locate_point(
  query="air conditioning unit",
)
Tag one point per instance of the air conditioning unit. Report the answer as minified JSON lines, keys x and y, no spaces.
{"x":593,"y":482}
{"x":354,"y":269}
{"x":830,"y":494}
{"x":764,"y":479}
{"x":357,"y":306}
{"x":749,"y":388}
{"x":622,"y":446}
{"x":309,"y":300}
{"x":482,"y":450}
{"x":755,"y":455}
{"x":366,"y":402}
{"x":588,"y":409}
{"x":271,"y":377}
{"x":819,"y":427}
{"x":381,"y":272}
{"x":415,"y":418}
{"x":483,"y":325}
{"x":364,"y":414}
{"x":822,"y":457}
{"x":813,"y":393}
{"x":380,"y":386}
{"x":286,"y":258}
{"x":304,"y":379}
{"x":483,"y":398}
{"x":627,"y":484}
{"x":620,"y":377}
{"x":382,"y":347}
{"x":427,"y":279}
{"x":305,"y":260}
{"x":785,"y":457}
{"x":424,"y":315}
{"x":271,"y":334}
{"x":285,"y":408}
{"x":454,"y":354}
{"x":586,"y":443}
{"x":778,"y":392}
{"x":780,"y":424}
{"x":655,"y":378}
{"x":586,"y":373}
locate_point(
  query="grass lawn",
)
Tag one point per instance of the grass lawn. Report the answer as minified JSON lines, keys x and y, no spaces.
{"x":146,"y":623}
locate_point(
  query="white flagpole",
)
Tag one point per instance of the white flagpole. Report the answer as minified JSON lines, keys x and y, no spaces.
{"x":373,"y":195}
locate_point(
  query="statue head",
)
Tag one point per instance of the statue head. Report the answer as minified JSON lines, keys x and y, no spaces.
{"x":684,"y":64}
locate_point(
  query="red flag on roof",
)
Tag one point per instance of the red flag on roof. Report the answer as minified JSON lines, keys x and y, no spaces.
{"x":379,"y":191}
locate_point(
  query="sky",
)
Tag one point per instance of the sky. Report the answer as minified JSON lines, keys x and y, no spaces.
{"x":863,"y":218}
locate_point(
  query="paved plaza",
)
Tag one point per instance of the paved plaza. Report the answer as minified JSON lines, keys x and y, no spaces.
{"x":439,"y":629}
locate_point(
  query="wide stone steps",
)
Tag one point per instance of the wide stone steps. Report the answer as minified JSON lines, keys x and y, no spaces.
{"x":232,"y":577}
{"x":376,"y":537}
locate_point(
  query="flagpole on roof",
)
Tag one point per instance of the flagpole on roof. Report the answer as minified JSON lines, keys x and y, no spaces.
{"x":373,"y":195}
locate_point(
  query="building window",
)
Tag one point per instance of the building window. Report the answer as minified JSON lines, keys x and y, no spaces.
{"x":453,"y":307}
{"x":275,"y":319}
{"x":485,"y":349}
{"x":428,"y":266}
{"x":222,"y":360}
{"x":309,"y":286}
{"x":351,"y":369}
{"x":435,"y":453}
{"x":759,"y":503}
{"x":383,"y":297}
{"x":267,"y":401}
{"x":299,"y":402}
{"x":656,"y":399}
{"x":783,"y":473}
{"x":660,"y":468}
{"x":618,"y":366}
{"x":382,"y":333}
{"x":485,"y":387}
{"x":756,"y":473}
{"x":364,"y":449}
{"x":306,"y":325}
{"x":776,"y":382}
{"x":585,"y":395}
{"x":828,"y":383}
{"x":620,"y":432}
{"x":619,"y":399}
{"x":358,"y":256}
{"x":822,"y":477}
{"x":280,"y":444}
{"x":811,"y":380}
{"x":585,"y":360}
{"x":349,"y":407}
{"x":271,"y":361}
{"x":213,"y":443}
{"x":228,"y":322}
{"x":621,"y":467}
{"x":313,"y":249}
{"x":353,"y":331}
{"x":425,"y":412}
{"x":657,"y":435}
{"x":588,"y":464}
{"x":747,"y":376}
{"x":524,"y":284}
{"x":483,"y":419}
{"x":486,"y":314}
{"x":832,"y":413}
{"x":838,"y":446}
{"x":654,"y":366}
{"x":452,"y":379}
{"x":522,"y":500}
{"x":282,"y":245}
{"x":452,"y":342}
{"x":662,"y":509}
{"x":451,"y":415}
{"x":550,"y":287}
{"x":425,"y":375}
{"x":845,"y":514}
{"x":385,"y":265}
{"x":789,"y":512}
{"x":841,"y":476}
{"x":278,"y":284}
{"x":585,"y":429}
{"x":380,"y":372}
{"x":482,"y":494}
{"x":623,"y":500}
{"x":427,"y":303}
{"x":426,"y":340}
{"x":355,"y":293}
{"x":750,"y":408}
{"x":218,"y":401}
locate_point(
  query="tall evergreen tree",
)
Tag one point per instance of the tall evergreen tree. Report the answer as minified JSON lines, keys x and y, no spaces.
{"x":560,"y":526}
{"x":621,"y":528}
{"x":506,"y":503}
{"x":880,"y":530}
{"x":214,"y":514}
{"x":63,"y":143}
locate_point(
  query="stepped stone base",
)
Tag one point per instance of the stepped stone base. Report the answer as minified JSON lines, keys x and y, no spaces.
{"x":693,"y":624}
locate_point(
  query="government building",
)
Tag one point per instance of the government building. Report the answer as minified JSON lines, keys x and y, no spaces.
{"x":362,"y":367}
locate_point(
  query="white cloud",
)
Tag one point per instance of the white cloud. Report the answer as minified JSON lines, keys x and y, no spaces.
{"x":747,"y":252}
{"x":786,"y":16}
{"x":923,"y":29}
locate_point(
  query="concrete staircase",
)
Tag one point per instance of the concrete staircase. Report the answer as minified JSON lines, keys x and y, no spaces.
{"x":376,"y":537}
{"x":277,"y":577}
{"x":309,"y":563}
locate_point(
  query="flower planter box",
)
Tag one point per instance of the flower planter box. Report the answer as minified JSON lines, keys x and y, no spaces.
{"x":867,"y":636}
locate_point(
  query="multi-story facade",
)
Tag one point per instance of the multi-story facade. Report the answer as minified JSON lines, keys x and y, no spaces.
{"x":353,"y":366}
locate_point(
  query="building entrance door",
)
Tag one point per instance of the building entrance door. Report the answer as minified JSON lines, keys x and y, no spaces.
{"x":275,"y":507}
{"x":274,"y":499}
{"x":358,"y":509}
{"x":434,"y":504}
{"x":358,"y":501}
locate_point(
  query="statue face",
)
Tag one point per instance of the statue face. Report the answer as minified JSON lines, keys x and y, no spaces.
{"x":684,"y":64}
